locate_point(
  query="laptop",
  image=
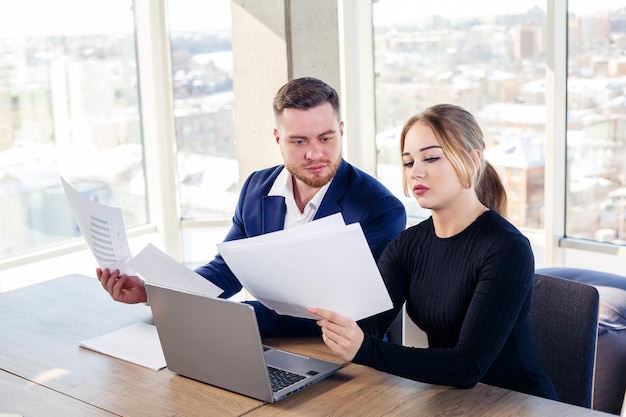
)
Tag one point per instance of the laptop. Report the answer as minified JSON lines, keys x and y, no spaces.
{"x":217,"y":342}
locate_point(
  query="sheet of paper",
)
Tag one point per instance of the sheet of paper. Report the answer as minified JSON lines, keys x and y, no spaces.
{"x":103,"y":229}
{"x":321,"y":226}
{"x":291,"y":272}
{"x":156,"y":267}
{"x":138,"y":343}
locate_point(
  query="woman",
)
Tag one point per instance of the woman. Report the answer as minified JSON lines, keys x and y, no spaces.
{"x":465,"y":273}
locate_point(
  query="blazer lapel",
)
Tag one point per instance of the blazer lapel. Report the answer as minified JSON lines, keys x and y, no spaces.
{"x":274,"y":212}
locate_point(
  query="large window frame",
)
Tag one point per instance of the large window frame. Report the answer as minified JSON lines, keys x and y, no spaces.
{"x":551,"y":245}
{"x":357,"y":87}
{"x":560,"y":249}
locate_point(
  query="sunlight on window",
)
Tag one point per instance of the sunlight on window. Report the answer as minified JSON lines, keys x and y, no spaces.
{"x":486,"y":56}
{"x":69,"y":106}
{"x":202,"y":71}
{"x":596,"y":121}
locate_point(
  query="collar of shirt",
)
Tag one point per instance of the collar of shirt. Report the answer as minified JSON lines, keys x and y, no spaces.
{"x":283,"y":186}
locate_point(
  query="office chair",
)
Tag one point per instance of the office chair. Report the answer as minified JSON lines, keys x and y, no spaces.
{"x":564,"y":326}
{"x":609,"y":381}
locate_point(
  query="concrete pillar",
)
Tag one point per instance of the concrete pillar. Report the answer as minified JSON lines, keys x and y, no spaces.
{"x":274,"y":41}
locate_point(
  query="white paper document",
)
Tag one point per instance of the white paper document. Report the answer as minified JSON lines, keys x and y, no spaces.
{"x":322,"y":264}
{"x":138,"y":343}
{"x":103,"y":229}
{"x":156,"y":267}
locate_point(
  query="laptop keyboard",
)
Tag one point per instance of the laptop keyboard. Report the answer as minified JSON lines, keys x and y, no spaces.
{"x":280,"y":379}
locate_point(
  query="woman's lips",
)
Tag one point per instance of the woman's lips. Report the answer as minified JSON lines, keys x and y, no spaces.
{"x":420,"y":190}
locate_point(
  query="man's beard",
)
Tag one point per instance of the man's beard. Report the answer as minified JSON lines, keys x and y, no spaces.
{"x":316,"y":181}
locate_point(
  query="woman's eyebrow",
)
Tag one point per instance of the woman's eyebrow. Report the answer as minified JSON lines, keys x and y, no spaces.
{"x":430,"y":147}
{"x":422,"y":149}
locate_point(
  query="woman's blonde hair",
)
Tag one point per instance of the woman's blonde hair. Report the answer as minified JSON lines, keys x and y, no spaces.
{"x":458,"y":134}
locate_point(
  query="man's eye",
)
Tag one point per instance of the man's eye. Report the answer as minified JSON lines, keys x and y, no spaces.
{"x":325,"y":139}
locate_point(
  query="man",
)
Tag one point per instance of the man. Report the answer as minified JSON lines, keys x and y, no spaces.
{"x":314,"y":182}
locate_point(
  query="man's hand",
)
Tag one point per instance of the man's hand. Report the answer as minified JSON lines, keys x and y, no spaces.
{"x":341,"y":334}
{"x":127,"y":289}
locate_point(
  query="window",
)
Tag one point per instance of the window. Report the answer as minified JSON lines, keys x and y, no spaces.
{"x":596,"y":121}
{"x":486,"y":56}
{"x":202,"y":76}
{"x":69,"y":106}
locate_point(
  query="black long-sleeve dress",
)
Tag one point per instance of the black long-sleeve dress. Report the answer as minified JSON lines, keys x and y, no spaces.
{"x":471,"y":294}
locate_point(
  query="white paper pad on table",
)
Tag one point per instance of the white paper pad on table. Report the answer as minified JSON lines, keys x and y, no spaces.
{"x":138,"y":343}
{"x":158,"y":268}
{"x":103,"y":229}
{"x":307,"y":266}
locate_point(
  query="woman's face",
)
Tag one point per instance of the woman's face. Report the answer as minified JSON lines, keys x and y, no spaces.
{"x":430,"y":176}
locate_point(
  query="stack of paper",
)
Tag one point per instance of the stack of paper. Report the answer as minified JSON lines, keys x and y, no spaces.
{"x":103,"y":229}
{"x":321,"y":264}
{"x":156,"y":267}
{"x":138,"y":343}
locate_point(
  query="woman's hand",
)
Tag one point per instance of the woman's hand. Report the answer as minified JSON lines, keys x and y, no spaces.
{"x":341,"y":334}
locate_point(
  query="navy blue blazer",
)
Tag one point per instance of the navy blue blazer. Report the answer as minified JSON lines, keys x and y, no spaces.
{"x":355,"y":194}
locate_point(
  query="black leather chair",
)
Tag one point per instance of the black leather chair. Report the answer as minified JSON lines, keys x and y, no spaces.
{"x":564,"y":322}
{"x":610,"y":372}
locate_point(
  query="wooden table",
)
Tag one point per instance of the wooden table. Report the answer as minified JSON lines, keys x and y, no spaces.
{"x":22,"y":397}
{"x":43,"y":371}
{"x":362,"y":391}
{"x":40,"y":327}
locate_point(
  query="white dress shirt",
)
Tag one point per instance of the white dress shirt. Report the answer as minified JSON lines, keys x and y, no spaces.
{"x":283,"y":186}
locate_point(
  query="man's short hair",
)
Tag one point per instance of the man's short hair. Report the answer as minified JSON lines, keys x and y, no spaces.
{"x":305,"y":93}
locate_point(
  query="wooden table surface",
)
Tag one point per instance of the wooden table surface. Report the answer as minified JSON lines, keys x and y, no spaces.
{"x":358,"y":390}
{"x":20,"y":396}
{"x":40,"y":327}
{"x":44,"y":372}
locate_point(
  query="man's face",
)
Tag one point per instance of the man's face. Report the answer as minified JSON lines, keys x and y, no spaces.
{"x":310,"y":143}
